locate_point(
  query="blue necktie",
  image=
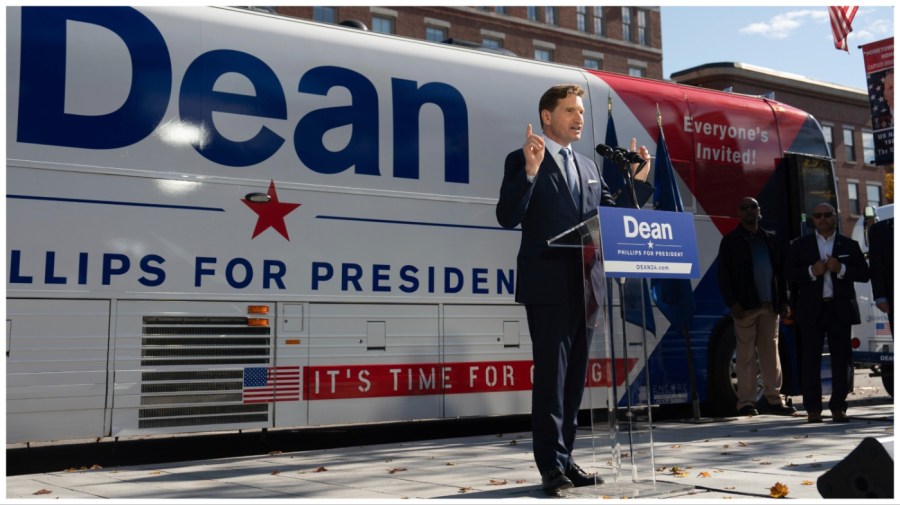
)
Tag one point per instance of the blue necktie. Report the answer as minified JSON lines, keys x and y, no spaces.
{"x":571,"y":176}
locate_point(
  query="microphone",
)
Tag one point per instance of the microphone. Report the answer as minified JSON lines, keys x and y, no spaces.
{"x":604,"y":150}
{"x":618,"y":154}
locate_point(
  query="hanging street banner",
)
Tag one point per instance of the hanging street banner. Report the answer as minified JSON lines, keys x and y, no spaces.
{"x":879,"y":60}
{"x":649,"y":243}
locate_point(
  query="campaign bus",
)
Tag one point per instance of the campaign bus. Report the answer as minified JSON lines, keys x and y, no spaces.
{"x":222,"y":220}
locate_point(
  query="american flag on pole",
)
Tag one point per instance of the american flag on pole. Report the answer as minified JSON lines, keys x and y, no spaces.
{"x":841,"y":17}
{"x":272,"y":384}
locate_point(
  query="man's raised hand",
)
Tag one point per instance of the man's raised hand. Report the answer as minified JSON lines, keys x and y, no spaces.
{"x":534,"y":152}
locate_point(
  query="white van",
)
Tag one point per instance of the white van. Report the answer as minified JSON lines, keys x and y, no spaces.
{"x":872,"y":340}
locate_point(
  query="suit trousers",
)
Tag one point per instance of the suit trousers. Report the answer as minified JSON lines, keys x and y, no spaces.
{"x":560,"y":344}
{"x":812,"y":341}
{"x":756,"y":336}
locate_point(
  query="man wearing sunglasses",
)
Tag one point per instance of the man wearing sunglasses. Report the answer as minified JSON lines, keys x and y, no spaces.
{"x":823,"y":266}
{"x":751,"y":283}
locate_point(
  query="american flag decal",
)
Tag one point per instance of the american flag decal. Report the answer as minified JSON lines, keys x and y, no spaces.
{"x":272,"y":384}
{"x":883,"y":329}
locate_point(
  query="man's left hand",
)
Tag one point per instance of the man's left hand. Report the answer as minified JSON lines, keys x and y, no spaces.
{"x":643,"y":153}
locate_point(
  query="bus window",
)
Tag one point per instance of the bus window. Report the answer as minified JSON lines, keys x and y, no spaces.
{"x":811,"y":182}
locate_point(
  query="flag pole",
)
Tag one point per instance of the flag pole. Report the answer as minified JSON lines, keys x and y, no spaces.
{"x":685,"y":329}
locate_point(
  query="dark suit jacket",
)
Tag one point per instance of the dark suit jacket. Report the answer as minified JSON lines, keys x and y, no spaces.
{"x":803,"y":253}
{"x":544,"y":208}
{"x":881,"y":259}
{"x":735,"y":270}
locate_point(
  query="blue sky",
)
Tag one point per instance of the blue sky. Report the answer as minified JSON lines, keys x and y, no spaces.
{"x":788,"y":39}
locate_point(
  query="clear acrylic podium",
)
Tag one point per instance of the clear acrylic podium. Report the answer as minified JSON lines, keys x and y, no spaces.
{"x":616,"y":393}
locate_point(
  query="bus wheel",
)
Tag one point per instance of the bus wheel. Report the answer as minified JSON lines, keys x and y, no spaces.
{"x":887,"y":378}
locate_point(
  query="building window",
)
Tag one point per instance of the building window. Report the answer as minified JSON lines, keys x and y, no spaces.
{"x":324,"y":14}
{"x":435,"y":34}
{"x":500,"y":10}
{"x":637,"y":72}
{"x":626,"y":24}
{"x":873,"y":195}
{"x":590,"y":19}
{"x":581,"y":17}
{"x":599,"y":25}
{"x":592,"y":64}
{"x":543,"y":54}
{"x":550,"y":16}
{"x":828,"y":132}
{"x":382,"y":25}
{"x":492,"y":43}
{"x":868,"y":145}
{"x":853,"y":195}
{"x":532,"y":13}
{"x":849,"y":145}
{"x":643,"y":31}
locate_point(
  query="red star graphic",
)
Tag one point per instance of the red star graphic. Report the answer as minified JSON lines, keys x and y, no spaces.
{"x":271,"y":213}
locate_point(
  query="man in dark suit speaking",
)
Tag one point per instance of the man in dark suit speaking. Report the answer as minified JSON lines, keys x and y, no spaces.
{"x":822,"y":267}
{"x":548,"y":188}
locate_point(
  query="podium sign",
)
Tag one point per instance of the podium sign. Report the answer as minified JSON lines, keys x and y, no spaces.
{"x":649,"y":243}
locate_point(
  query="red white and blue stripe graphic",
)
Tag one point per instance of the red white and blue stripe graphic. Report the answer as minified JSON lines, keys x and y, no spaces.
{"x":272,"y":384}
{"x":883,"y":329}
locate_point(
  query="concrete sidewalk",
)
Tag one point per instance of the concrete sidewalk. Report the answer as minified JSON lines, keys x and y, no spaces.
{"x":736,"y":458}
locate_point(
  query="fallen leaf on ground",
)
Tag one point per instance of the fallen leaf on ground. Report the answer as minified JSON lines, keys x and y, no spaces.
{"x":808,"y":483}
{"x":274,"y":453}
{"x":42,"y":491}
{"x":498,"y":482}
{"x":779,"y":490}
{"x":678,"y":472}
{"x":464,"y":489}
{"x":395,"y":470}
{"x":275,"y":472}
{"x":450,"y":463}
{"x":703,"y":475}
{"x":321,"y":469}
{"x":742,"y":444}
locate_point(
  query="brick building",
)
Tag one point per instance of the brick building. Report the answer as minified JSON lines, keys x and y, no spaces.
{"x":625,"y":40}
{"x":842,"y":111}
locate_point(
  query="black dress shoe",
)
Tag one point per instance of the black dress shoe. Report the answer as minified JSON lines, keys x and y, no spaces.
{"x":748,"y":410}
{"x":781,"y":409}
{"x":581,"y":478}
{"x":555,"y":481}
{"x":836,"y":417}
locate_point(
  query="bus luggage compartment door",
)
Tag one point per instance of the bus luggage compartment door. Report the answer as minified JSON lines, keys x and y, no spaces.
{"x":488,"y":350}
{"x":373,"y":362}
{"x":56,"y":366}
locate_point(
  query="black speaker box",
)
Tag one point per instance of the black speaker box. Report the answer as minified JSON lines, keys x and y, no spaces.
{"x":867,"y":472}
